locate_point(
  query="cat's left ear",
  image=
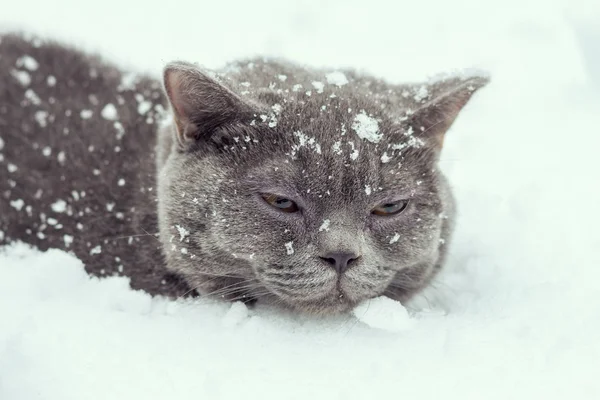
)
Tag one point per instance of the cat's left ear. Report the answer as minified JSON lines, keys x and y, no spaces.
{"x":200,"y":103}
{"x":432,"y":119}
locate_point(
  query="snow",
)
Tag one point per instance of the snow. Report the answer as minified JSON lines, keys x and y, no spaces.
{"x":367,"y":127}
{"x":51,"y":81}
{"x":325,"y":225}
{"x":28,"y":62}
{"x":86,"y":114}
{"x":383,"y":313}
{"x":144,"y":106}
{"x":289,"y":248}
{"x":395,"y":238}
{"x":59,"y":206}
{"x":337,"y":78}
{"x":22,"y":76}
{"x":515,"y":315}
{"x":109,"y":112}
{"x":183,"y":233}
{"x":385,"y":158}
{"x":319,"y":86}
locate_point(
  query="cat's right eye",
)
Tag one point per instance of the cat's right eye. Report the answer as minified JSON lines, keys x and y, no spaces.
{"x":280,"y":203}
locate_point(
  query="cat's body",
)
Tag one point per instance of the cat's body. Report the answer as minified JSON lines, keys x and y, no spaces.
{"x":331,"y":147}
{"x":62,"y":157}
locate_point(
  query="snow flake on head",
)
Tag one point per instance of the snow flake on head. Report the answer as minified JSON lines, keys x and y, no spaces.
{"x":394,"y":238}
{"x":183,"y":233}
{"x":86,"y":114}
{"x":325,"y":226}
{"x":336,"y":78}
{"x":305,"y":141}
{"x":385,"y":158}
{"x":337,"y":147}
{"x":289,"y":248}
{"x":354,"y":153}
{"x":319,"y":86}
{"x":367,"y":127}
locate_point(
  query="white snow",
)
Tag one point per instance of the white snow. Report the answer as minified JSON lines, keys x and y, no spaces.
{"x":383,"y":313}
{"x":32,"y":97}
{"x":144,"y":106}
{"x":367,"y":127}
{"x":96,"y":250}
{"x":385,"y":158}
{"x":514,"y":316}
{"x":289,"y":248}
{"x":109,"y":112}
{"x":22,"y":76}
{"x":27,"y":62}
{"x":325,"y":225}
{"x":319,"y":86}
{"x":395,"y":238}
{"x":183,"y":233}
{"x":236,"y":315}
{"x":17,"y":204}
{"x":86,"y":114}
{"x":337,"y":78}
{"x":41,"y":118}
{"x":59,"y":206}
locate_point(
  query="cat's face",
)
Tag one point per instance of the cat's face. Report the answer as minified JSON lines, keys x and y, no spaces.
{"x":315,"y":207}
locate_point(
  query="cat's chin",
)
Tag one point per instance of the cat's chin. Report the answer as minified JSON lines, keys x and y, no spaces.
{"x":331,"y":303}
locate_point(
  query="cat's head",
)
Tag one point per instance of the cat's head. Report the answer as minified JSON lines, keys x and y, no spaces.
{"x":316,"y":193}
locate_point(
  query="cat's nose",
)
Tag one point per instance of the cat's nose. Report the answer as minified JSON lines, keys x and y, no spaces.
{"x":340,"y":260}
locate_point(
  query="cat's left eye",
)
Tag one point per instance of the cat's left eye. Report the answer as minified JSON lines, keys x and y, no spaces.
{"x":389,"y":209}
{"x":281,"y":203}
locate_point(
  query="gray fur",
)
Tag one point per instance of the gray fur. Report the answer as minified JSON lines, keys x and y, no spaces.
{"x":247,"y":130}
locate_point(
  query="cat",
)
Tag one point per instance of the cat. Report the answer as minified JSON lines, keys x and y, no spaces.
{"x":311,"y":189}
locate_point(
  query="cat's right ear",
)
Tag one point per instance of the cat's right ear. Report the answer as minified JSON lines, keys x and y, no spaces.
{"x":199,"y":103}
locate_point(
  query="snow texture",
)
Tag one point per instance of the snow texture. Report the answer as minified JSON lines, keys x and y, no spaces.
{"x":383,"y":313}
{"x":367,"y":127}
{"x":515,"y":315}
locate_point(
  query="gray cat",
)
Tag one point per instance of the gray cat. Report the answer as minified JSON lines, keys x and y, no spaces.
{"x":306,"y":188}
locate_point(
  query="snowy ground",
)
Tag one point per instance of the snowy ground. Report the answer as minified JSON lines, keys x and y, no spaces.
{"x":517,"y":314}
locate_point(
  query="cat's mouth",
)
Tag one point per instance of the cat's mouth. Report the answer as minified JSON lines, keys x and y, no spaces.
{"x":326,"y":297}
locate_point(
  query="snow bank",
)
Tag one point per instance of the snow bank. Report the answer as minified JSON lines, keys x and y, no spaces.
{"x":517,"y":313}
